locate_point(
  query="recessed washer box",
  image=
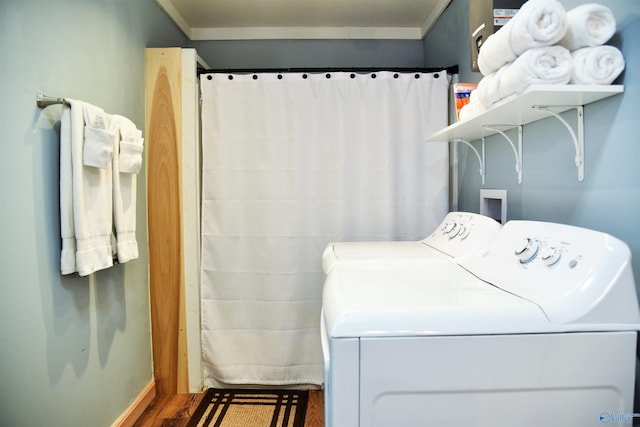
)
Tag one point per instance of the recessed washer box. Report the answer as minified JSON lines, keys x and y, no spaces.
{"x":493,"y":203}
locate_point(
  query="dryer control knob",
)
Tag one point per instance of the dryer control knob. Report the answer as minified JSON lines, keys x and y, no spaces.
{"x":550,"y":256}
{"x":527,"y":250}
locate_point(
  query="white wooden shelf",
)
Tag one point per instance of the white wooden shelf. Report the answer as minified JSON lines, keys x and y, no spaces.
{"x":537,"y":102}
{"x":518,"y":109}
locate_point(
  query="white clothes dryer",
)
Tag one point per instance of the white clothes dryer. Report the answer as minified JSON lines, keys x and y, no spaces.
{"x":460,"y":234}
{"x":539,"y":330}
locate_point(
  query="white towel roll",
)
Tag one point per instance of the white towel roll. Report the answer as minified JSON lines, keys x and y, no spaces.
{"x":538,"y":23}
{"x":543,"y":65}
{"x":589,"y":25}
{"x":474,"y":107}
{"x":598,"y":65}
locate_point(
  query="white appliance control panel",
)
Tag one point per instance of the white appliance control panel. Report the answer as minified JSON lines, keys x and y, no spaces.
{"x":463,"y":233}
{"x":460,"y":234}
{"x":529,"y":249}
{"x":574,"y":275}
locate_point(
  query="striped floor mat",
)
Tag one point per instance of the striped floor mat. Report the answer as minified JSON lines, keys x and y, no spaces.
{"x":255,"y":408}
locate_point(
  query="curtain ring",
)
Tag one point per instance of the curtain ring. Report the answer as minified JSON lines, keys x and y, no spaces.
{"x":395,"y":75}
{"x":436,"y":75}
{"x":279,"y":76}
{"x":373,"y":76}
{"x":353,"y":76}
{"x":230,"y":77}
{"x":417,"y":76}
{"x":255,"y":77}
{"x":304,"y":76}
{"x":328,"y":75}
{"x":209,"y":77}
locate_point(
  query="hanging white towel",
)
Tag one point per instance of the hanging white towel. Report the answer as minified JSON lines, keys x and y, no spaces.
{"x":126,"y":164}
{"x":538,"y":23}
{"x":589,"y":25}
{"x":90,"y":201}
{"x":598,"y":65}
{"x":99,"y":137}
{"x":67,"y":228}
{"x":131,"y":146}
{"x":544,"y":65}
{"x":130,"y":156}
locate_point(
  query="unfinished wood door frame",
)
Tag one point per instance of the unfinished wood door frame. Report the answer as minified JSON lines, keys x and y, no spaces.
{"x":191,"y":184}
{"x":164,"y":211}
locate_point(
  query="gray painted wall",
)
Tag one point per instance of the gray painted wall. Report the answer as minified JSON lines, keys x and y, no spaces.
{"x":609,"y":197}
{"x":310,"y":53}
{"x":73,"y":351}
{"x":76,"y":351}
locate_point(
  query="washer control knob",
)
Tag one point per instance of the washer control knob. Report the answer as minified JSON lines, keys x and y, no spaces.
{"x":465,"y":233}
{"x":550,"y":255}
{"x":456,"y":231}
{"x":527,"y":250}
{"x":449,"y":227}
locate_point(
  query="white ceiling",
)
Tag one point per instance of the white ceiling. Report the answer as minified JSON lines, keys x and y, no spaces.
{"x":304,"y":19}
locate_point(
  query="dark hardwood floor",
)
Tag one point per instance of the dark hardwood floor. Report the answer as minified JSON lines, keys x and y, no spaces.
{"x":176,"y":409}
{"x":315,"y":410}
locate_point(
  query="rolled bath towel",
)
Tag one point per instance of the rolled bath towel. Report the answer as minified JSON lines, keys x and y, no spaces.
{"x":538,"y":23}
{"x":598,"y":65}
{"x":543,"y":65}
{"x":589,"y":25}
{"x":474,"y":107}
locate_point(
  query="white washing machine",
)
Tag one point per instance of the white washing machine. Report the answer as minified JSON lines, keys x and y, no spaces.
{"x":538,"y":331}
{"x":460,"y":234}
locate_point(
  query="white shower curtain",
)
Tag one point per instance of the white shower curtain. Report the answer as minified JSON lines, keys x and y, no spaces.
{"x":292,"y":162}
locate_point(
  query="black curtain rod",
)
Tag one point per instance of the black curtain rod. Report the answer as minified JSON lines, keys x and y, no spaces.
{"x":450,"y":70}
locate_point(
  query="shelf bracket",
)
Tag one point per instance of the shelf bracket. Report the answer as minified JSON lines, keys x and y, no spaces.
{"x":517,"y":152}
{"x":578,"y":140}
{"x":480,"y":159}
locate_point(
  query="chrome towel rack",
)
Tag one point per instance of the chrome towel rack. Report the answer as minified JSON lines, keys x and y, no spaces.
{"x":43,"y":101}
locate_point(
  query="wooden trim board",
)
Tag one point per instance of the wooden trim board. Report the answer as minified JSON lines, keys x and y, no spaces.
{"x":137,"y":407}
{"x":164,"y":211}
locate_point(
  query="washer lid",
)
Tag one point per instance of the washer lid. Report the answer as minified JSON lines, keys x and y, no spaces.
{"x":459,"y":235}
{"x":446,"y":300}
{"x":365,"y":254}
